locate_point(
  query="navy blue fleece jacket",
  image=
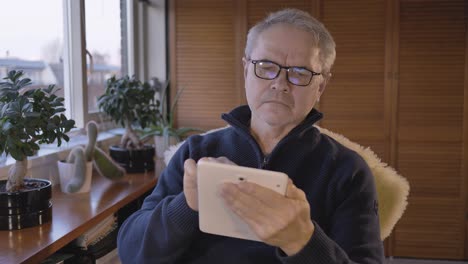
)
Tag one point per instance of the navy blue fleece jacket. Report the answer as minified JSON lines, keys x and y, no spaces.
{"x":338,"y":184}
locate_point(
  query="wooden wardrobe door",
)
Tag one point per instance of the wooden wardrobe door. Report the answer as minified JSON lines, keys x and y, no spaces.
{"x":259,"y":9}
{"x":203,"y":51}
{"x":430,"y":127}
{"x":353,"y":102}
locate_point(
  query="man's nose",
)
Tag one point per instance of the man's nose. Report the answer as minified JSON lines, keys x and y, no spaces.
{"x":281,"y":82}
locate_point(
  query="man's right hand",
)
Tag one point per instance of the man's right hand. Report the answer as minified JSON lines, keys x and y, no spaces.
{"x":190,"y":179}
{"x":190,"y":184}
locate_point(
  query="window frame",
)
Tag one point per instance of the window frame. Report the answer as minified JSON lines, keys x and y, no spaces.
{"x":75,"y":69}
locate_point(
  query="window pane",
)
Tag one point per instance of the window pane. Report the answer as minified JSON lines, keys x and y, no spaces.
{"x":103,"y":41}
{"x":32,"y":40}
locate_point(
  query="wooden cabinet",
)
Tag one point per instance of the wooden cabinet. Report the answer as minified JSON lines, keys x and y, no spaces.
{"x":429,"y":131}
{"x":204,"y":61}
{"x":399,"y":85}
{"x":354,"y":103}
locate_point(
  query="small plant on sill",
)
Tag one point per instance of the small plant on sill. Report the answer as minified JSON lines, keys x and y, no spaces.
{"x":28,"y":117}
{"x":128,"y":102}
{"x":79,"y":157}
{"x":164,"y":129}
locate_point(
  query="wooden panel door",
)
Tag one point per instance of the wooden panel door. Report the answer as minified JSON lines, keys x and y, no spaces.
{"x":203,"y":52}
{"x":353,"y":103}
{"x":430,"y":127}
{"x":259,"y":9}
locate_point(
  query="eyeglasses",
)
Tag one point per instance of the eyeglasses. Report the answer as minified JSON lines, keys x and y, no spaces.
{"x":268,"y":70}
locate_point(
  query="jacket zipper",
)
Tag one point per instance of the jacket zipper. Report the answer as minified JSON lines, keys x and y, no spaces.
{"x":265,"y":161}
{"x":266,"y":158}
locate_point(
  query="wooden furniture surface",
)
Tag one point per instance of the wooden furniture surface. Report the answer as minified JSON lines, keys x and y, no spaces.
{"x":73,"y":214}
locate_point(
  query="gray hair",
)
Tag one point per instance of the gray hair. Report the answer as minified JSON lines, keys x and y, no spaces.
{"x":301,"y":20}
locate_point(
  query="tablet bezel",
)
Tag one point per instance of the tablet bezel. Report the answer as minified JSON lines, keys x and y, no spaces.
{"x":214,"y":216}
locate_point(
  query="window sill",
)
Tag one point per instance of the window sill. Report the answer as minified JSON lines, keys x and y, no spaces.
{"x":43,"y":165}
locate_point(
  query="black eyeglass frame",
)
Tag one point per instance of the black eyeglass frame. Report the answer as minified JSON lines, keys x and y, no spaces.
{"x":254,"y":62}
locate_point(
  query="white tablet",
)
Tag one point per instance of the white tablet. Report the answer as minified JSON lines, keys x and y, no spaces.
{"x":214,"y":216}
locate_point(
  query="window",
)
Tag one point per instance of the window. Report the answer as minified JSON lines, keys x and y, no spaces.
{"x":32,"y":40}
{"x":47,"y":40}
{"x":103,"y":45}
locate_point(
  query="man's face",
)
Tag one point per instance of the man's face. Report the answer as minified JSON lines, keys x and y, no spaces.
{"x":278,"y":103}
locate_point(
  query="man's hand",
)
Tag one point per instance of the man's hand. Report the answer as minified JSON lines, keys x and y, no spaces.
{"x":190,"y":179}
{"x":190,"y":184}
{"x":281,"y":221}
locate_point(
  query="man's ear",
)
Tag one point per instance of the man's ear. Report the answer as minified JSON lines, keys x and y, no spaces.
{"x":324,"y":83}
{"x":245,"y":63}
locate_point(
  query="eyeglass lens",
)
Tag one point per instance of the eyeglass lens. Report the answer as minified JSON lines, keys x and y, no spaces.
{"x":269,"y":70}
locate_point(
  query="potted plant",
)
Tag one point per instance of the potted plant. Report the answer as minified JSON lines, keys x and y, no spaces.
{"x":130,"y":102}
{"x":164,"y":131}
{"x":75,"y":172}
{"x":28,"y":117}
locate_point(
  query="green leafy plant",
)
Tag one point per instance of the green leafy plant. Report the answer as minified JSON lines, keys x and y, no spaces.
{"x":128,"y":102}
{"x":28,"y":117}
{"x":165,"y":123}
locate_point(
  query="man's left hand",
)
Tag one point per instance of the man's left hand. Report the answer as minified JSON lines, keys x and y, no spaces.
{"x":281,"y":221}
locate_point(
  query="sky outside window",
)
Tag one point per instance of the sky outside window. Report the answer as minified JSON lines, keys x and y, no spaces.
{"x":31,"y":40}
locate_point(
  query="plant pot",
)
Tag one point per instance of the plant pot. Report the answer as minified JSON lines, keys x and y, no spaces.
{"x":134,"y":161}
{"x":66,"y":172}
{"x":26,"y":208}
{"x":162,"y":144}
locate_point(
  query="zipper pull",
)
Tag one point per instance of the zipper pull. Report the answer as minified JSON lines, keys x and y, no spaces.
{"x":265,"y":161}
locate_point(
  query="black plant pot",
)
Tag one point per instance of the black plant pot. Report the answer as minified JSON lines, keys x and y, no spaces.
{"x":134,"y":161}
{"x":29,"y":207}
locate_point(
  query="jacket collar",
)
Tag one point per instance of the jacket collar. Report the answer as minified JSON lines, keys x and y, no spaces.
{"x":240,"y":117}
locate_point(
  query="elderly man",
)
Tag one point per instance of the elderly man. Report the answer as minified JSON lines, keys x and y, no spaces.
{"x":328,"y":214}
